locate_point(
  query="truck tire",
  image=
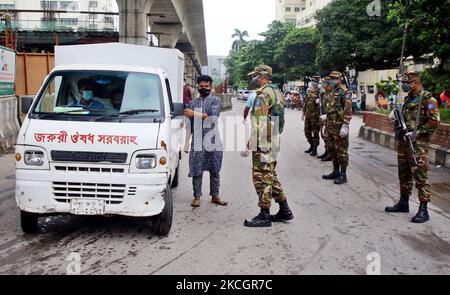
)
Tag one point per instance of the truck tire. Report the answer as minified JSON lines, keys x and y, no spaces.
{"x":175,"y":179}
{"x":162,"y":222}
{"x":29,"y":222}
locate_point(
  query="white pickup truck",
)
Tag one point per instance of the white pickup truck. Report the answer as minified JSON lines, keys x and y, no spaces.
{"x":103,"y":135}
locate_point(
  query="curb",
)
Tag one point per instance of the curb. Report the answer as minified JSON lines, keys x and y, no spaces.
{"x":438,"y":155}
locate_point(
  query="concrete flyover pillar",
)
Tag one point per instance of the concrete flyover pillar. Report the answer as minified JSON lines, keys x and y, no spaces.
{"x":9,"y":125}
{"x":133,"y":21}
{"x":168,"y":35}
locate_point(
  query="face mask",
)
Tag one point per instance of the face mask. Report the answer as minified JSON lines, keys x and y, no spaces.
{"x":333,"y":82}
{"x":204,"y":92}
{"x":406,"y":87}
{"x":254,"y":84}
{"x":88,"y":95}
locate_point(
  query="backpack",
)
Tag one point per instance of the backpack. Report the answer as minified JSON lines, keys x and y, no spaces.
{"x":277,"y":109}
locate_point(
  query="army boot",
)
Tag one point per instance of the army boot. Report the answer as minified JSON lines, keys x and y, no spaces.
{"x":323,"y":155}
{"x":401,"y":207}
{"x":309,"y":150}
{"x":333,"y":174}
{"x":314,"y":151}
{"x":327,"y":158}
{"x":284,"y":214}
{"x":342,"y":178}
{"x":421,"y":216}
{"x":261,"y":220}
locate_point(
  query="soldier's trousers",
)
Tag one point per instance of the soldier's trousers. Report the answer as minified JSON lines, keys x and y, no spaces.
{"x":266,"y":180}
{"x":337,"y":147}
{"x":312,"y":129}
{"x":406,"y":173}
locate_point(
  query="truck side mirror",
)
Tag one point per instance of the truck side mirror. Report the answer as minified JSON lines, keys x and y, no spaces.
{"x":178,"y":109}
{"x":26,"y":103}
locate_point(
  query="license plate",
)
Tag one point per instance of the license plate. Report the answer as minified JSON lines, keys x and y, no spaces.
{"x":87,"y":207}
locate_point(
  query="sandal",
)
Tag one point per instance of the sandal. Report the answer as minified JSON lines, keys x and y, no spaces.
{"x":219,"y":201}
{"x":195,"y":203}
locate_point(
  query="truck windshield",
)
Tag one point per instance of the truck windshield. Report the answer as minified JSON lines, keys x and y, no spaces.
{"x":108,"y":94}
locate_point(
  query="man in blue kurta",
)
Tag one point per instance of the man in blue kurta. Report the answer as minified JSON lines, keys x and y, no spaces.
{"x":206,"y":145}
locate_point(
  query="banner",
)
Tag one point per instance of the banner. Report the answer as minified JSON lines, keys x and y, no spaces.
{"x":7,"y":71}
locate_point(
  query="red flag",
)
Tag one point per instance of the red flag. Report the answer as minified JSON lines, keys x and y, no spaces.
{"x":445,"y":96}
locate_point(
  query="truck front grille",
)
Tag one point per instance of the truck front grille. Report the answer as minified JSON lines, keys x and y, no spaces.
{"x":89,"y":157}
{"x":112,"y":193}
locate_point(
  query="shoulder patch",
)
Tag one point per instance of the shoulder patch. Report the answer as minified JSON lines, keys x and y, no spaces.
{"x":348,"y":95}
{"x":431,"y":106}
{"x":258,"y":102}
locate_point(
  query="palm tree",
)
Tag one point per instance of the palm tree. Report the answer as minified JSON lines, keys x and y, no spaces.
{"x":240,"y":38}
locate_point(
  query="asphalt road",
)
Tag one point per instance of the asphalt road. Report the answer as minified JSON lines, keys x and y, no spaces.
{"x":336,"y":230}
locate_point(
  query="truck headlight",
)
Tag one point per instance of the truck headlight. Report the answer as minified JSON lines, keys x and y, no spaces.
{"x":34,"y":158}
{"x":146,"y":161}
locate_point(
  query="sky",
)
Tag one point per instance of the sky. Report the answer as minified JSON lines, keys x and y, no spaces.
{"x":223,"y":16}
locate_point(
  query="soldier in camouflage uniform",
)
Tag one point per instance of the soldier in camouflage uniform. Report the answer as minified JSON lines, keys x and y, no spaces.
{"x":311,"y":114}
{"x":421,"y":115}
{"x":265,"y":144}
{"x":338,"y":107}
{"x":325,"y":91}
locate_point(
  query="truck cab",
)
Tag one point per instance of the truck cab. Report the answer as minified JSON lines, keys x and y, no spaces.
{"x":103,"y":136}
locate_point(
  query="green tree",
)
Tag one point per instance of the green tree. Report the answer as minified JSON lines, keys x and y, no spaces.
{"x":349,"y":37}
{"x":388,"y":87}
{"x":428,"y":26}
{"x":240,"y":35}
{"x":296,"y":54}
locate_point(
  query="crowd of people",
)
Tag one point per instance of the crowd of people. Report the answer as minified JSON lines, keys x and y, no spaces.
{"x":327,"y":112}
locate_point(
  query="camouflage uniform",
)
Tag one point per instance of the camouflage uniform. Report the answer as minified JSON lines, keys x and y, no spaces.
{"x":421,"y":108}
{"x":265,"y":143}
{"x":338,"y":107}
{"x":323,"y":97}
{"x":421,"y":115}
{"x":312,"y":120}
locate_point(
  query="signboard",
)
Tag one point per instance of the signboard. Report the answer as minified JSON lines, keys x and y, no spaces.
{"x":7,"y":71}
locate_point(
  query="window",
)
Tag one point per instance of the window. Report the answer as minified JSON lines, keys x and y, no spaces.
{"x":109,"y":19}
{"x":93,"y":4}
{"x":46,"y":5}
{"x":69,"y":5}
{"x":93,"y":27}
{"x":288,"y":9}
{"x":6,"y":6}
{"x":297,"y":9}
{"x":93,"y":16}
{"x":371,"y":89}
{"x":68,"y":21}
{"x":110,"y":92}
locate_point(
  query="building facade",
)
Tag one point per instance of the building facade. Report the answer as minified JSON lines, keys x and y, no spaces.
{"x":61,"y":14}
{"x":288,"y":10}
{"x":306,"y":18}
{"x":216,"y":68}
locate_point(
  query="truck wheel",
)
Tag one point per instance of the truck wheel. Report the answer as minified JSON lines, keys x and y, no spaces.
{"x":29,"y":222}
{"x":175,"y":178}
{"x":162,"y":222}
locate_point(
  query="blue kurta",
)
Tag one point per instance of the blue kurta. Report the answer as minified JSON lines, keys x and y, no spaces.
{"x":206,"y":151}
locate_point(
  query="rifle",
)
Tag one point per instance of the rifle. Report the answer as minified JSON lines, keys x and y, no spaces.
{"x":401,"y":134}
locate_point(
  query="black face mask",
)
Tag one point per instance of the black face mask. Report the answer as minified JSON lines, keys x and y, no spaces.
{"x":204,"y":92}
{"x":254,"y":84}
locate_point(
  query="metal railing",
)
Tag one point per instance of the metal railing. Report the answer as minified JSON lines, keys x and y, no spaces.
{"x":61,"y":25}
